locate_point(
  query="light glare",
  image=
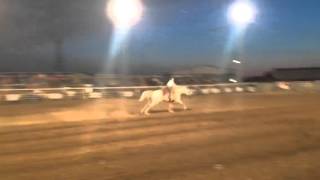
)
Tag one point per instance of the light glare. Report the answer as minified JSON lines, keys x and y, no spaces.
{"x":236,"y":61}
{"x":124,"y":13}
{"x":242,"y":13}
{"x":233,"y":80}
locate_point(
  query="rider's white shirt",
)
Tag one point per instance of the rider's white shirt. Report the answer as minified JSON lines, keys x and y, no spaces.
{"x":171,"y":83}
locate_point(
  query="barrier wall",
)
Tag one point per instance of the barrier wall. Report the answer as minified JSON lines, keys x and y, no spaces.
{"x":90,"y":92}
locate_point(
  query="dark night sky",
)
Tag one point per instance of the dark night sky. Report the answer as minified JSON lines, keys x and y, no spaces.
{"x":171,"y":34}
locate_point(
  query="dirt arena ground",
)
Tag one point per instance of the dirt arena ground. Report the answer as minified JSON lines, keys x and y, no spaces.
{"x":225,"y":137}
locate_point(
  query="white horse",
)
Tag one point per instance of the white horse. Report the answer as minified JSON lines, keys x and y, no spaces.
{"x":154,"y":97}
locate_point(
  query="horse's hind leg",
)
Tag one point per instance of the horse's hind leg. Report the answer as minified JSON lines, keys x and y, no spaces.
{"x":150,"y":105}
{"x":146,"y":111}
{"x":145,"y":107}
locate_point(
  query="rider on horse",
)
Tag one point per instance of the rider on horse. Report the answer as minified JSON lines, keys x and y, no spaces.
{"x":170,"y":87}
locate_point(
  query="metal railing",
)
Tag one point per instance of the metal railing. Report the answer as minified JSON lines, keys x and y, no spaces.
{"x":90,"y":92}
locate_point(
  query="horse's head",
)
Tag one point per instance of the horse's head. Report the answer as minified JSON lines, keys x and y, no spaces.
{"x":184,"y":90}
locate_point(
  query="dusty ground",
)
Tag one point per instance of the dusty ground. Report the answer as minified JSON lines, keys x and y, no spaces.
{"x":222,"y":137}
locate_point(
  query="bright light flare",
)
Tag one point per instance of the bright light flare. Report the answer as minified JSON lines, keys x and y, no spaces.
{"x":233,"y":80}
{"x":242,"y":12}
{"x":236,"y":61}
{"x":124,"y":13}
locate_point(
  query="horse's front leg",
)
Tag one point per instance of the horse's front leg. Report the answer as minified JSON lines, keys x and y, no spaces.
{"x":179,"y":101}
{"x":170,"y":107}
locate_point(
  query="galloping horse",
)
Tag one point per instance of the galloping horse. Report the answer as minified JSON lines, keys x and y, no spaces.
{"x":154,"y":97}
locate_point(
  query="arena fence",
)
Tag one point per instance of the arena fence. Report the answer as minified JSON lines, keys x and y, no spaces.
{"x":90,"y":92}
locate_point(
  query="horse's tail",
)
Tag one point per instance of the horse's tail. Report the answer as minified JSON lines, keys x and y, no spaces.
{"x":143,"y":96}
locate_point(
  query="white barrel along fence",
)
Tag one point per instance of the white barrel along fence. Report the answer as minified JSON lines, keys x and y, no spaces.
{"x":91,"y":92}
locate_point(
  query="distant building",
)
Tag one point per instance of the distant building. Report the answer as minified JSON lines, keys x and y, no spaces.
{"x":288,"y":74}
{"x":296,"y":74}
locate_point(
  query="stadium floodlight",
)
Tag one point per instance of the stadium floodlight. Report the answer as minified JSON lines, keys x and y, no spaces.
{"x":236,"y":61}
{"x":242,"y":13}
{"x":233,"y":80}
{"x":124,"y":13}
